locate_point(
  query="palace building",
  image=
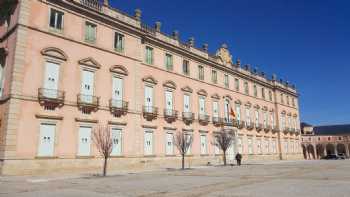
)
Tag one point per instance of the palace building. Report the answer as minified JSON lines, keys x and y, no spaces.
{"x":68,"y":66}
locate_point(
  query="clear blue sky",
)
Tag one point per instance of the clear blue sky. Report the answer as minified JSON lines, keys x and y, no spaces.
{"x":304,"y":41}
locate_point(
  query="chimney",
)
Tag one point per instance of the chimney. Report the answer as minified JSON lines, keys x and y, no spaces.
{"x":138,"y":14}
{"x":176,"y":35}
{"x":191,"y":42}
{"x":205,"y":47}
{"x":158,"y":26}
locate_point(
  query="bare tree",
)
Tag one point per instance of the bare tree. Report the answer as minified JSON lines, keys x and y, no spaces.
{"x":224,"y":140}
{"x":103,"y":141}
{"x":183,"y":142}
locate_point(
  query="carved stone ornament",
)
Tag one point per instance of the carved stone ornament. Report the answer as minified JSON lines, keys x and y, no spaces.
{"x":224,"y":54}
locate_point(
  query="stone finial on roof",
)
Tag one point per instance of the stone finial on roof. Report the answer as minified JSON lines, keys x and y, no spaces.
{"x":238,"y":62}
{"x":205,"y":47}
{"x":138,"y":14}
{"x":158,"y":26}
{"x":176,"y":35}
{"x":274,"y":77}
{"x":106,"y":2}
{"x":191,"y":42}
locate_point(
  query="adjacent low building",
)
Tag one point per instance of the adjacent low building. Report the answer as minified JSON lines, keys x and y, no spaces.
{"x":70,"y":65}
{"x":319,"y":141}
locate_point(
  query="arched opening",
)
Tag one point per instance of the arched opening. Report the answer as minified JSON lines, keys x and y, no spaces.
{"x":330,"y":149}
{"x":311,"y":151}
{"x":319,"y":151}
{"x":341,"y":149}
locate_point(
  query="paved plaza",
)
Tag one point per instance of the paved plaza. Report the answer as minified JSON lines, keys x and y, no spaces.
{"x":278,"y":178}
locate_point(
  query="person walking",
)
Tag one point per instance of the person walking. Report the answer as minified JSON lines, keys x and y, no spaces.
{"x":239,"y":159}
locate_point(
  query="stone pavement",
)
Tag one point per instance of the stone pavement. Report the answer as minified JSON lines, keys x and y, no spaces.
{"x":275,"y":178}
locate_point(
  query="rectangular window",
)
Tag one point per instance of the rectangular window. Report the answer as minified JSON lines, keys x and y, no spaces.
{"x":51,"y":79}
{"x":283,"y":122}
{"x":293,"y":102}
{"x":287,"y":100}
{"x":266,"y":145}
{"x":240,"y":145}
{"x":186,"y":103}
{"x":215,"y":109}
{"x":84,"y":141}
{"x":189,"y":136}
{"x":263,"y":93}
{"x":87,"y":86}
{"x":185,"y":67}
{"x":169,"y":144}
{"x":204,"y":148}
{"x":256,"y":118}
{"x":119,"y":42}
{"x":247,"y":116}
{"x":90,"y":32}
{"x":286,"y":146}
{"x":214,"y":76}
{"x":226,"y":81}
{"x":270,"y":95}
{"x":47,"y":140}
{"x":250,"y":146}
{"x":56,"y":19}
{"x":116,"y":135}
{"x":282,"y":99}
{"x":202,"y":105}
{"x":149,"y":99}
{"x":169,"y":102}
{"x":255,"y":91}
{"x":237,"y":84}
{"x":149,"y":55}
{"x":148,"y":143}
{"x":117,"y":92}
{"x":168,"y":61}
{"x":265,"y":119}
{"x":2,"y":73}
{"x":258,"y":146}
{"x":200,"y":72}
{"x":246,"y":88}
{"x":238,"y":112}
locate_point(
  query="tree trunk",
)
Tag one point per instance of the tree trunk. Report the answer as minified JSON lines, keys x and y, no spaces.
{"x":224,"y":157}
{"x":105,"y":167}
{"x":183,"y":161}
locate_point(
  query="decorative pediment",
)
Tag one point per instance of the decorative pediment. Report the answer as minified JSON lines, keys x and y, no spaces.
{"x":169,"y":84}
{"x":283,"y":112}
{"x":295,"y":115}
{"x":215,"y":96}
{"x":238,"y":102}
{"x":90,"y":62}
{"x":248,"y":104}
{"x":271,"y":110}
{"x":187,"y":89}
{"x":264,"y":108}
{"x":289,"y":114}
{"x":150,"y":79}
{"x":119,"y":69}
{"x":224,"y":55}
{"x":54,"y":53}
{"x":257,"y":106}
{"x":202,"y":92}
{"x":227,"y":96}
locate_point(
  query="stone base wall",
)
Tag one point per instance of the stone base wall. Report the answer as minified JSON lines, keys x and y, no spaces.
{"x":121,"y":164}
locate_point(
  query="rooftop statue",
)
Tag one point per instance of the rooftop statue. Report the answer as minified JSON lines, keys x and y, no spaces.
{"x":224,"y":54}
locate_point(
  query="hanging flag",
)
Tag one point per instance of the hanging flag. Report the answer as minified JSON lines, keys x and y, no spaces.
{"x":232,"y":113}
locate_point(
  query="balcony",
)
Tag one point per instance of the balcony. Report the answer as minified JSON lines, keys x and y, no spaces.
{"x":217,"y":121}
{"x":170,"y":115}
{"x":118,"y":107}
{"x":228,"y":122}
{"x":258,"y":127}
{"x":92,"y":4}
{"x":203,"y":119}
{"x":267,"y":128}
{"x":149,"y":112}
{"x":187,"y":117}
{"x":286,"y":130}
{"x":249,"y":126}
{"x":88,"y":103}
{"x":275,"y":129}
{"x":240,"y":124}
{"x":51,"y":99}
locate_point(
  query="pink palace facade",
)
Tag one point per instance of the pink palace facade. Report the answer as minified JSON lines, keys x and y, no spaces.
{"x":68,"y":66}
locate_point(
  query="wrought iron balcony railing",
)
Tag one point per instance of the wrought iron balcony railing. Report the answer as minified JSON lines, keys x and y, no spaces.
{"x":258,"y":127}
{"x":187,"y":117}
{"x":249,"y":125}
{"x":118,"y":107}
{"x":92,"y":4}
{"x":228,"y":122}
{"x":51,"y":98}
{"x":267,"y":128}
{"x":203,"y":119}
{"x":88,"y":103}
{"x":217,"y":121}
{"x":150,"y":112}
{"x":170,"y":115}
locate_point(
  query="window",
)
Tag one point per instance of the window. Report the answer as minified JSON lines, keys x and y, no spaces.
{"x":187,"y":104}
{"x":283,"y":122}
{"x":282,"y":100}
{"x":286,"y":146}
{"x":226,"y":81}
{"x":270,"y":95}
{"x":149,"y":99}
{"x":51,"y":79}
{"x":148,"y":143}
{"x":169,"y":102}
{"x":2,"y":73}
{"x":256,"y":118}
{"x":266,"y":146}
{"x":84,"y":141}
{"x":168,"y":61}
{"x":116,"y":135}
{"x":189,"y":137}
{"x":237,"y":84}
{"x":149,"y":55}
{"x":247,"y":116}
{"x":202,"y":105}
{"x":47,"y":140}
{"x":240,"y":146}
{"x":238,"y":112}
{"x":293,"y":102}
{"x":87,"y":86}
{"x":265,"y":119}
{"x":185,"y":67}
{"x":90,"y":32}
{"x":215,"y":109}
{"x":250,"y":146}
{"x":258,"y":145}
{"x":117,"y":92}
{"x":214,"y":76}
{"x":246,"y":88}
{"x":56,"y":19}
{"x":204,"y":148}
{"x":227,"y":110}
{"x":263,"y":93}
{"x":169,"y":144}
{"x":272,"y":120}
{"x":119,"y":42}
{"x":255,"y":91}
{"x":287,"y":100}
{"x":200,"y":72}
